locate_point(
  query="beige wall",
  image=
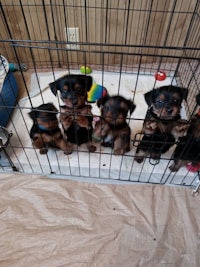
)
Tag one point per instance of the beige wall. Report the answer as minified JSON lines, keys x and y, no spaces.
{"x":106,"y":23}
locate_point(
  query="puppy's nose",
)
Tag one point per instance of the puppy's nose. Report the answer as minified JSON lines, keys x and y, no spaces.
{"x":169,"y":110}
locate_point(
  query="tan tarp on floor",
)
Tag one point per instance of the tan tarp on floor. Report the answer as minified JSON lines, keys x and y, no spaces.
{"x":45,"y":222}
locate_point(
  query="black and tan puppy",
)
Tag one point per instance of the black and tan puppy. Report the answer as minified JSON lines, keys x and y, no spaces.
{"x":164,"y":106}
{"x":45,"y":131}
{"x":112,"y":129}
{"x":76,"y":115}
{"x":188,"y":149}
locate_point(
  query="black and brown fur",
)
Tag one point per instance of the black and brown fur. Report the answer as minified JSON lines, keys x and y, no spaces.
{"x":45,"y":132}
{"x":164,"y":106}
{"x":102,"y":131}
{"x":76,"y":115}
{"x":188,"y":149}
{"x":112,"y":129}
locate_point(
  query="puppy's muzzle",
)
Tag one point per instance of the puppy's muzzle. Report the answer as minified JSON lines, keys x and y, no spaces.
{"x":169,"y":110}
{"x":71,"y":97}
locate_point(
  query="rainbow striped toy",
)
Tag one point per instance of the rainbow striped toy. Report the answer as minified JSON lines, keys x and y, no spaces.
{"x":96,"y":91}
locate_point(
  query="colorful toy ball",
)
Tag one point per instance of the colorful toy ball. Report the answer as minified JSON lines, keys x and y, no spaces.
{"x":85,"y":70}
{"x":96,"y":91}
{"x":160,"y":75}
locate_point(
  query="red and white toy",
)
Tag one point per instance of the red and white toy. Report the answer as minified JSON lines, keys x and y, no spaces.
{"x":160,"y":75}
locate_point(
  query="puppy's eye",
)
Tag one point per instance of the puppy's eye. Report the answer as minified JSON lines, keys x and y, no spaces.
{"x":64,"y":93}
{"x":175,"y":101}
{"x":160,"y":102}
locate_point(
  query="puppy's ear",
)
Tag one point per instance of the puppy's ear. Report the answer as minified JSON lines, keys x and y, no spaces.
{"x":149,"y":97}
{"x":32,"y":114}
{"x":101,"y":101}
{"x":184,"y":92}
{"x":88,"y":82}
{"x":63,"y":108}
{"x":53,"y":87}
{"x":51,"y":107}
{"x":132,"y":106}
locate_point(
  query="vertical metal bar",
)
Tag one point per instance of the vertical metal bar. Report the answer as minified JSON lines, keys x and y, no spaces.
{"x":55,"y":32}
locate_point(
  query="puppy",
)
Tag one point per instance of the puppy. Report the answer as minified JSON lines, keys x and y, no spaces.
{"x":45,"y":131}
{"x":188,"y":149}
{"x":113,"y":129}
{"x":76,"y":116}
{"x":164,"y":106}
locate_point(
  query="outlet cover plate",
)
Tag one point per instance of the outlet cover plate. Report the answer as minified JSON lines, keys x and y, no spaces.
{"x":72,"y":35}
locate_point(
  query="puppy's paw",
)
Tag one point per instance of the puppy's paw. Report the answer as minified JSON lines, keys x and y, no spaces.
{"x":139,"y":159}
{"x":140,"y":155}
{"x":68,"y":152}
{"x":180,"y":128}
{"x":83,"y":122}
{"x":150,"y":127}
{"x":119,"y":152}
{"x":69,"y":149}
{"x":173,"y":168}
{"x":92,"y":148}
{"x":43,"y":150}
{"x":155,"y":156}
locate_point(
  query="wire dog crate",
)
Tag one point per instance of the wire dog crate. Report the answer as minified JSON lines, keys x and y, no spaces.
{"x":125,"y":43}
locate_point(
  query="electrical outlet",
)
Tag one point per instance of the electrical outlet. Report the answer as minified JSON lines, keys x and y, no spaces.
{"x":72,"y":35}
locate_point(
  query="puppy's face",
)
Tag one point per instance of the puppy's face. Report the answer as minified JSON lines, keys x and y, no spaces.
{"x":166,"y":101}
{"x":45,"y":116}
{"x":73,"y":89}
{"x":114,"y":109}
